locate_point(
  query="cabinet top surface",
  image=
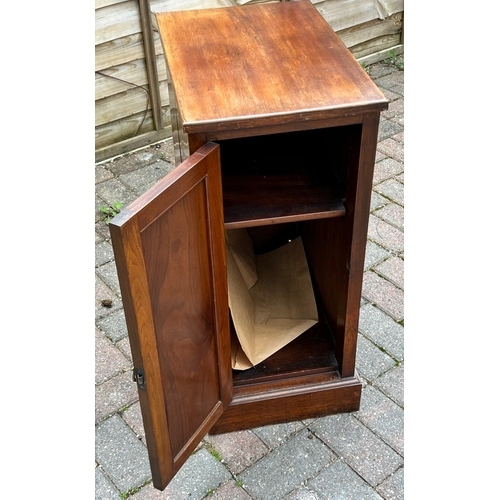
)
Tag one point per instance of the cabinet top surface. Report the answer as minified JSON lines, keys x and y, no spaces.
{"x":260,"y":64}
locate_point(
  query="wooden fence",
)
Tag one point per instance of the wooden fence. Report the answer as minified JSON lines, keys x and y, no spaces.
{"x":131,"y":97}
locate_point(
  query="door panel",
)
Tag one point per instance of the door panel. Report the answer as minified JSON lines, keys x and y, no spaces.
{"x":169,"y":251}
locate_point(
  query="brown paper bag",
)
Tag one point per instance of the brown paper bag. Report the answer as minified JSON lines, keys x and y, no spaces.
{"x":270,"y":297}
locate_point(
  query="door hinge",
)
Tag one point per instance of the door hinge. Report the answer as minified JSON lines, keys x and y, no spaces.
{"x":138,"y":376}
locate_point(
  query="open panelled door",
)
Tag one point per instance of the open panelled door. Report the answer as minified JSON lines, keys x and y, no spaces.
{"x":170,"y":257}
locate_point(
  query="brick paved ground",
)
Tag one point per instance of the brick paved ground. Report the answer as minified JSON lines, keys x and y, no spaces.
{"x":350,"y":456}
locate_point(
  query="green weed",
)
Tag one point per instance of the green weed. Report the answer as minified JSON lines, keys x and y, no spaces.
{"x":129,"y":492}
{"x":110,"y":211}
{"x":215,"y":454}
{"x":393,"y":60}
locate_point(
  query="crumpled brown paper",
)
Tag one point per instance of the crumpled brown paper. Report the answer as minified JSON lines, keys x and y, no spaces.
{"x":271,"y":297}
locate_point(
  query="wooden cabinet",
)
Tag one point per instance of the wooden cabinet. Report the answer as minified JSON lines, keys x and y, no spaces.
{"x":275,"y":132}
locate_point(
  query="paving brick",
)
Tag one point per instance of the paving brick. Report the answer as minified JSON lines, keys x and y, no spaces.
{"x":383,"y":417}
{"x":144,"y":178}
{"x":371,"y":362}
{"x":102,"y":174}
{"x":201,"y":474}
{"x":149,"y":492}
{"x":399,"y":119}
{"x":130,"y":162}
{"x":124,"y":346}
{"x":400,"y":136}
{"x":286,"y":467}
{"x":358,"y":446}
{"x":385,"y":234}
{"x":103,"y":292}
{"x":114,"y":325}
{"x":391,"y":95}
{"x":98,"y":203}
{"x":276,"y":435}
{"x":140,"y":158}
{"x":386,"y":169}
{"x":391,"y":383}
{"x":122,"y":456}
{"x":383,"y":330}
{"x":103,"y":253}
{"x":302,"y":493}
{"x":132,"y":416}
{"x":102,"y":228}
{"x":109,"y":360}
{"x":227,"y":491}
{"x":396,"y":108}
{"x":393,"y":487}
{"x":114,"y":191}
{"x":104,"y":488}
{"x":107,"y":272}
{"x":387,"y":129}
{"x":377,"y":201}
{"x":114,"y":394}
{"x":387,"y":296}
{"x":391,"y":81}
{"x":339,"y":481}
{"x":392,"y":148}
{"x":230,"y":491}
{"x":393,"y":270}
{"x":393,"y":214}
{"x":378,"y":70}
{"x":399,"y":89}
{"x":98,"y":238}
{"x":374,"y":255}
{"x":238,"y":450}
{"x":391,"y":189}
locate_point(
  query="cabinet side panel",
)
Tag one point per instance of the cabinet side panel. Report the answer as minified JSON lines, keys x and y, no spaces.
{"x":180,"y":138}
{"x":331,"y":252}
{"x":336,"y":247}
{"x":358,"y":210}
{"x":180,"y":284}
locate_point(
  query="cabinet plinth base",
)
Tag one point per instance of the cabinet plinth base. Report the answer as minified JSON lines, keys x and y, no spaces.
{"x":266,"y":407}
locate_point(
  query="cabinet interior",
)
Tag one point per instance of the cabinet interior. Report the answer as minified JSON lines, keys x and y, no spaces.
{"x":312,"y":354}
{"x":282,"y":186}
{"x":289,"y":176}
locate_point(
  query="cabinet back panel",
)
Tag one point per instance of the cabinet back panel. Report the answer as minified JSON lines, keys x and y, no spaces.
{"x":288,"y":176}
{"x":319,"y":153}
{"x":326,"y":252}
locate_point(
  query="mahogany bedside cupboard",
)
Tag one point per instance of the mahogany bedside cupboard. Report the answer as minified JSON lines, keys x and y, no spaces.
{"x":275,"y":130}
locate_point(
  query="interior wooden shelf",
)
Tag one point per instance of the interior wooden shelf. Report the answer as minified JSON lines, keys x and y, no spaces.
{"x":251,"y":200}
